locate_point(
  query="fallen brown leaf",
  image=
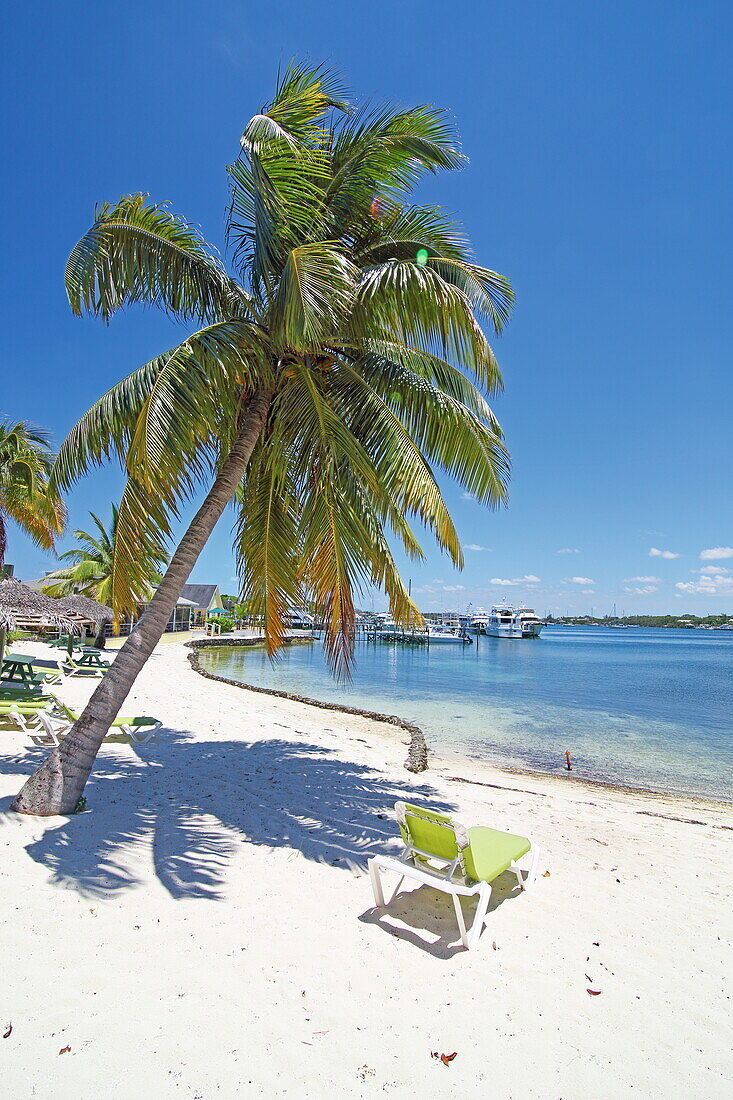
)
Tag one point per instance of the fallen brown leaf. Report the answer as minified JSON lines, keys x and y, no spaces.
{"x":9,"y":1032}
{"x":446,"y":1059}
{"x":594,"y":992}
{"x":493,"y":944}
{"x":546,"y":874}
{"x":65,"y":1050}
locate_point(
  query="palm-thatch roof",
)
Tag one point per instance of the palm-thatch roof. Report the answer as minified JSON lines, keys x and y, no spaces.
{"x":17,"y":601}
{"x":85,"y":608}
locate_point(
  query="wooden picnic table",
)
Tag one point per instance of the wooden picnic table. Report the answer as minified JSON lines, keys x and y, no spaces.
{"x":17,"y":668}
{"x":91,"y":658}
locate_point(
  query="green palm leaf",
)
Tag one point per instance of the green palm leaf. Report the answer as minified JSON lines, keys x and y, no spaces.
{"x":140,"y":252}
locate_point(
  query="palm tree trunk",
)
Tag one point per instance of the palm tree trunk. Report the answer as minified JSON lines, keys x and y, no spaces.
{"x":57,"y":785}
{"x":3,"y":544}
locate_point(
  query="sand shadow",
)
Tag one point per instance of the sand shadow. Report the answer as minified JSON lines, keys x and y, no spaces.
{"x":422,"y":911}
{"x":190,"y":805}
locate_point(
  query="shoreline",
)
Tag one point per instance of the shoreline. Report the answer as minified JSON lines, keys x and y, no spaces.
{"x":420,"y":752}
{"x":417,"y":753}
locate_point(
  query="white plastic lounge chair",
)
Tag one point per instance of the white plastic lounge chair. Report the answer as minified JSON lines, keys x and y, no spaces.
{"x":23,"y":716}
{"x":440,"y":852}
{"x":53,"y":728}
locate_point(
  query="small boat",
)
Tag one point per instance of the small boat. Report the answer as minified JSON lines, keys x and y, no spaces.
{"x":442,"y":635}
{"x":506,"y":621}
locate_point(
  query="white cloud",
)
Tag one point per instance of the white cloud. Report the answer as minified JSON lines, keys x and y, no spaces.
{"x":475,"y":546}
{"x":528,"y":578}
{"x":567,"y":550}
{"x":712,"y":569}
{"x":581,"y":580}
{"x":716,"y":553}
{"x":654,"y":553}
{"x":587,"y":591}
{"x":453,"y":588}
{"x":642,"y":580}
{"x":437,"y":580}
{"x":467,"y":496}
{"x":707,"y":586}
{"x":641,"y":590}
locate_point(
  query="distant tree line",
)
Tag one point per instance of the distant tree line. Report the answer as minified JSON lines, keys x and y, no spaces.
{"x":680,"y":621}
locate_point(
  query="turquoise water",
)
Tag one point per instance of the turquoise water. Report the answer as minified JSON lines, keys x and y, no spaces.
{"x":643,"y":708}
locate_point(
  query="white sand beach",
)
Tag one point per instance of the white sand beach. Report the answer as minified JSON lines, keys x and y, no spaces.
{"x":206,"y":928}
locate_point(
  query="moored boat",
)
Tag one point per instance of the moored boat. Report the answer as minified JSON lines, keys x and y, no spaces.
{"x":506,"y":621}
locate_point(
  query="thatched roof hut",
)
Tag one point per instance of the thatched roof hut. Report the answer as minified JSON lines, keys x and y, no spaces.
{"x":18,"y":601}
{"x":83,"y":607}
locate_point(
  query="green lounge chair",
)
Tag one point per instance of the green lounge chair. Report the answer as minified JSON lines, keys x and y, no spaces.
{"x":54,"y":727}
{"x":24,"y":713}
{"x":440,"y":852}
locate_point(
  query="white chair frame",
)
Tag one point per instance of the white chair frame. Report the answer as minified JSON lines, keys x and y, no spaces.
{"x":443,"y":878}
{"x":55,"y":729}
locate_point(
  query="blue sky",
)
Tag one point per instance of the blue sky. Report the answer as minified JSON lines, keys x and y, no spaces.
{"x":599,"y":181}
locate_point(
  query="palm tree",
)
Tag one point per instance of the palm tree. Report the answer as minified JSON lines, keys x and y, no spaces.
{"x":25,"y":496}
{"x":91,"y":570}
{"x":328,"y":377}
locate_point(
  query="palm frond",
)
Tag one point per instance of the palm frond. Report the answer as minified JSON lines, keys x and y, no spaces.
{"x":489,"y":293}
{"x":450,"y":434}
{"x":384,"y":151}
{"x":314,"y":295}
{"x":401,"y":231}
{"x":143,"y":529}
{"x":268,"y":543}
{"x":193,"y":406}
{"x":413,"y":303}
{"x":141,"y":252}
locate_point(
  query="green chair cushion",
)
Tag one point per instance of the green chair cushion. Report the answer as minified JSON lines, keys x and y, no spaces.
{"x":490,"y":852}
{"x":431,"y":835}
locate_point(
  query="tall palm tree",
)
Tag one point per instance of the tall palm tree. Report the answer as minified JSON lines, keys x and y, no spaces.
{"x":329,"y":376}
{"x":25,"y":495}
{"x":91,"y":569}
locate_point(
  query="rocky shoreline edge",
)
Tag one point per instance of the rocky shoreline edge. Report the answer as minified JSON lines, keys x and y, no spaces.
{"x":417,"y":752}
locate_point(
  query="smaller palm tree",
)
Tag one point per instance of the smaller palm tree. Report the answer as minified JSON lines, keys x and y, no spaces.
{"x":91,"y":569}
{"x":25,"y":496}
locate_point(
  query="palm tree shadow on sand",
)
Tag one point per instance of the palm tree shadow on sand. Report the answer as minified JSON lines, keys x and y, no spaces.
{"x":192,"y":804}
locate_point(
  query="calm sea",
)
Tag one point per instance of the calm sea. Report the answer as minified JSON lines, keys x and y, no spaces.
{"x":644,"y":708}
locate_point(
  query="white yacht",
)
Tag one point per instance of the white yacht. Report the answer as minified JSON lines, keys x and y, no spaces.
{"x":506,"y":621}
{"x":479,"y":623}
{"x":444,"y":633}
